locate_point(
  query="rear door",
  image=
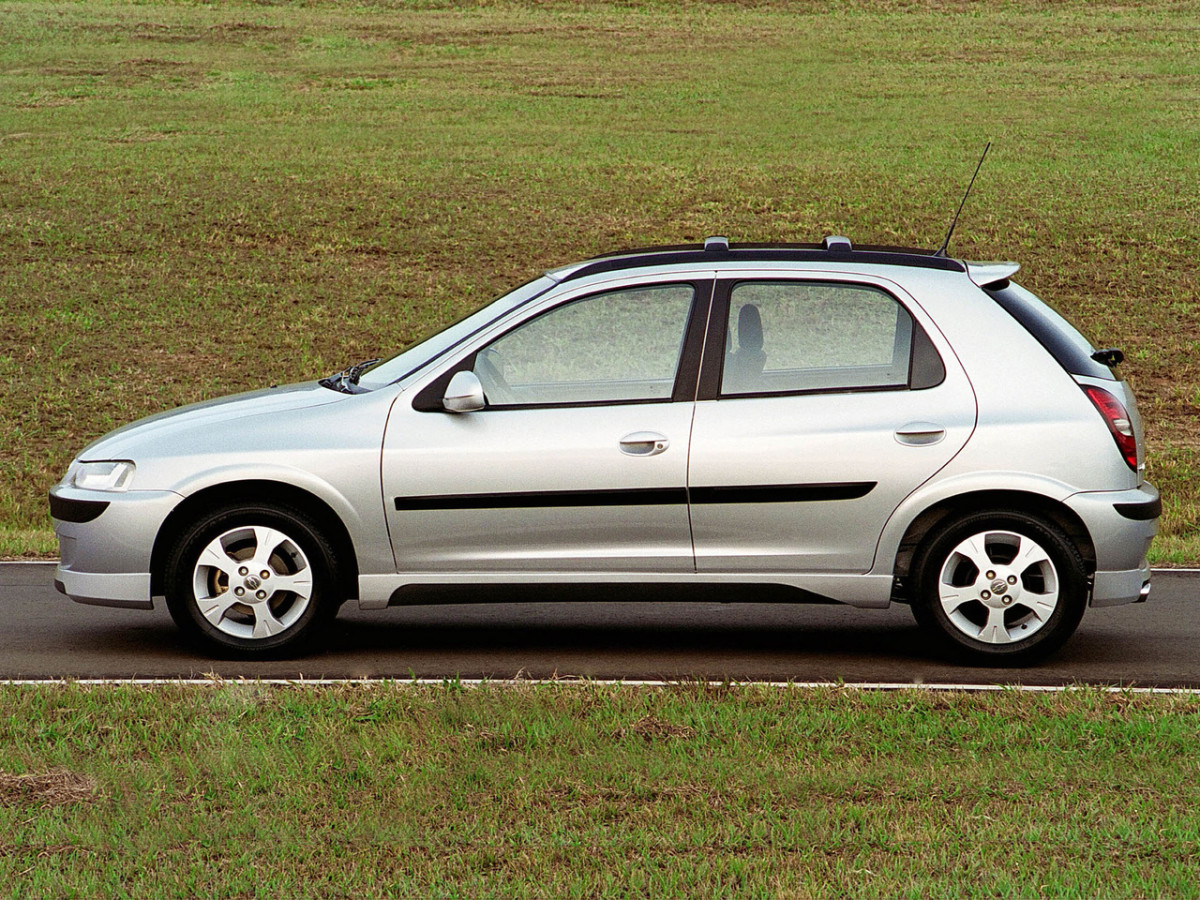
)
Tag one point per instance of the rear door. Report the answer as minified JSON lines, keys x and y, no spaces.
{"x":823,"y":402}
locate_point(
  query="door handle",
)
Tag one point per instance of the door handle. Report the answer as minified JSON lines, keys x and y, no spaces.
{"x":920,"y":434}
{"x":644,"y":443}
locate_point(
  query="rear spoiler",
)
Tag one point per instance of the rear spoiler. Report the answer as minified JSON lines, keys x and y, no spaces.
{"x":990,"y":274}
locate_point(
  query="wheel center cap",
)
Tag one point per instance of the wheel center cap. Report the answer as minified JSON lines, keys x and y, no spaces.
{"x":999,"y":586}
{"x":252,"y":583}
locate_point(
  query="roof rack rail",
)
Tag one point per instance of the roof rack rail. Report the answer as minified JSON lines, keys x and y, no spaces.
{"x":834,"y":248}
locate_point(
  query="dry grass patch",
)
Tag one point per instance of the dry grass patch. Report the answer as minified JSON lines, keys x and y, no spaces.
{"x":55,"y":788}
{"x":651,"y":728}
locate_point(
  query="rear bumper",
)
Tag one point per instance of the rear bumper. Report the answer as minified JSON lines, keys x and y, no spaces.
{"x":104,"y":543}
{"x":1121,"y":524}
{"x":1119,"y":588}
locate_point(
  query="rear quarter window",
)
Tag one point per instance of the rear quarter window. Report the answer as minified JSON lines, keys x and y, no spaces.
{"x":1061,"y":339}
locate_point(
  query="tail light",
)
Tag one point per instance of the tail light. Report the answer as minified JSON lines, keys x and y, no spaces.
{"x":1116,"y":417}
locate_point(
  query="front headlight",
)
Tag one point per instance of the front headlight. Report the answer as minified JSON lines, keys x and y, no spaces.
{"x":110,"y":475}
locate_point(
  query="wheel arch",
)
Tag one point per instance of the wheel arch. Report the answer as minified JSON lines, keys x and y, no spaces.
{"x":268,"y":493}
{"x":976,"y":501}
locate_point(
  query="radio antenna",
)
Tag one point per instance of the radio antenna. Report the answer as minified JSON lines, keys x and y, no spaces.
{"x":946,"y":243}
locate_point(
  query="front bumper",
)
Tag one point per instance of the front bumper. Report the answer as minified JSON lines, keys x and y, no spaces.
{"x":1121,"y":524}
{"x":105,"y":541}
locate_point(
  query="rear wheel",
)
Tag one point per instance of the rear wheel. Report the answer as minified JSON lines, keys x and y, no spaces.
{"x":1000,"y":588}
{"x":254,"y":580}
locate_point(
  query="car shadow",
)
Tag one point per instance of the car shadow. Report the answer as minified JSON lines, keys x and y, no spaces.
{"x":621,"y":632}
{"x":637,"y":627}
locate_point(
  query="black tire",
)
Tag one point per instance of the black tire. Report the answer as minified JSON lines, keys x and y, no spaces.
{"x":263,"y":621}
{"x":1002,"y":615}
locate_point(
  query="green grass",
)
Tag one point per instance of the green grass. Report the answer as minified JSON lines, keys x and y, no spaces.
{"x":584,"y":790}
{"x":197,"y":199}
{"x":27,"y":543}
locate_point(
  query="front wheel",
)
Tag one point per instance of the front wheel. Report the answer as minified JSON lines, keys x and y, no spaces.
{"x":1000,"y":588}
{"x":254,"y":580}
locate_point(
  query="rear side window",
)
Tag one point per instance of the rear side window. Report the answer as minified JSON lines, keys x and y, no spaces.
{"x":1061,"y":339}
{"x":800,"y":336}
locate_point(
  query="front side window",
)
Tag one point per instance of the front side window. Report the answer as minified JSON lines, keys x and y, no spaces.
{"x":616,"y":347}
{"x":786,"y":337}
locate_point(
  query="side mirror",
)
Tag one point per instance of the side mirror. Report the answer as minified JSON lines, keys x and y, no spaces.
{"x":464,"y":393}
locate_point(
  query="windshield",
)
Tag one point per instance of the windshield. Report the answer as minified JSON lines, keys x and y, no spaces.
{"x":426,"y":349}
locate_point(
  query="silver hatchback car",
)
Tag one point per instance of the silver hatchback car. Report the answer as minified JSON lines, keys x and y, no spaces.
{"x":865,"y":425}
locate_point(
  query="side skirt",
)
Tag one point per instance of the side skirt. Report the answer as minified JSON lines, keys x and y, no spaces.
{"x":863,"y":591}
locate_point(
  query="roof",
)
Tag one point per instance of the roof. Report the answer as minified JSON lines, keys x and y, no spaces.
{"x":716,"y":251}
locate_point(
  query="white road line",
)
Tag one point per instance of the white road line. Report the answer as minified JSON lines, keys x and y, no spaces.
{"x":217,"y":681}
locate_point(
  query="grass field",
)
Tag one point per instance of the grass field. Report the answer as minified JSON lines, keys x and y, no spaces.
{"x":197,"y":199}
{"x":570,"y":791}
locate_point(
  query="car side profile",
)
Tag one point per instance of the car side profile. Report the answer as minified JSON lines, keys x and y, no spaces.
{"x":867,"y":425}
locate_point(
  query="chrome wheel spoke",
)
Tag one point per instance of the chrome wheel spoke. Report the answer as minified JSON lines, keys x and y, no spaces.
{"x":214,"y":608}
{"x":1041,"y":605}
{"x":954,"y":597}
{"x":265,"y":623}
{"x":268,"y":540}
{"x":214,"y":557}
{"x":974,"y":550}
{"x":1029,"y":554}
{"x":993,"y":631}
{"x":299,"y":584}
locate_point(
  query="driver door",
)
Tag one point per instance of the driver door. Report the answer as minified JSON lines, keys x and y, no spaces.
{"x":578,"y":460}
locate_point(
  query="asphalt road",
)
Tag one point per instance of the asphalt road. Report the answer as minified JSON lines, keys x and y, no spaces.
{"x":46,"y":635}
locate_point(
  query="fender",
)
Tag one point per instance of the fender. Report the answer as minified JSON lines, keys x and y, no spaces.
{"x":933,"y":493}
{"x":289,"y":475}
{"x":373,"y":554}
